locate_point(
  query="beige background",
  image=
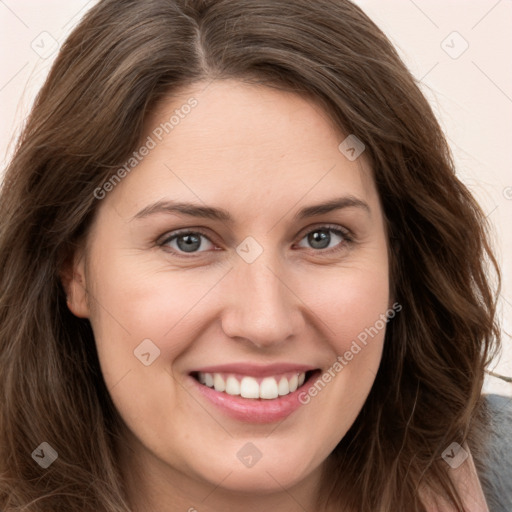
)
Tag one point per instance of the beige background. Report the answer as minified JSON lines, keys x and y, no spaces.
{"x":460,"y":51}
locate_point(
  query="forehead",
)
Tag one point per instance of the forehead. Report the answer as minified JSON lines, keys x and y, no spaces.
{"x":245,"y":145}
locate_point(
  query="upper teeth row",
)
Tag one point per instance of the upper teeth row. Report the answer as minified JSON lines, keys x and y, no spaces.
{"x":248,"y":387}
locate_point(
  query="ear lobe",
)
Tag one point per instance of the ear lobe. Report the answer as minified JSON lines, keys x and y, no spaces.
{"x":72,"y":276}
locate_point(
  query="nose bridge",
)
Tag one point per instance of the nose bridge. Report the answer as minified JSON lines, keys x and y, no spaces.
{"x":262,"y":309}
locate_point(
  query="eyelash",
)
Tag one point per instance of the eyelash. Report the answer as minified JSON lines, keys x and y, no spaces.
{"x":343,"y":232}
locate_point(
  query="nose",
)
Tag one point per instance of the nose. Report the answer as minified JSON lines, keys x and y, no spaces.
{"x":261,"y":307}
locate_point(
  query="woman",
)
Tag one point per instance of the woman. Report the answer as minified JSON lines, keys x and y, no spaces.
{"x":239,"y":272}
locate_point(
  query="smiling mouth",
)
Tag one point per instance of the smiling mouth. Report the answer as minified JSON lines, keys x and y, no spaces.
{"x":256,"y":388}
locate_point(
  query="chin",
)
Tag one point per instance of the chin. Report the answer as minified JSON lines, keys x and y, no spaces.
{"x":271,"y":473}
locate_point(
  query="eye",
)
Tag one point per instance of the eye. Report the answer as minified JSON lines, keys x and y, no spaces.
{"x":321,"y":238}
{"x":186,"y":242}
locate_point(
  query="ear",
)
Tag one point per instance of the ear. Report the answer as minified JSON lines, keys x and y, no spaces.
{"x":72,"y":276}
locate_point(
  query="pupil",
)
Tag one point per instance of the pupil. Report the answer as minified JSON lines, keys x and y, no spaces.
{"x":319,"y":237}
{"x":192,"y":242}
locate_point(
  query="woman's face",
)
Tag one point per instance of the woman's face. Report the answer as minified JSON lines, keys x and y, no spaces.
{"x":258,"y":289}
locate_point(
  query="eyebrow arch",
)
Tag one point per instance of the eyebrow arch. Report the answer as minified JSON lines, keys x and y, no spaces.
{"x":331,"y":205}
{"x":209,"y":212}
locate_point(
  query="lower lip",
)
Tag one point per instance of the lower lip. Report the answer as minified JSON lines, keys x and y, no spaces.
{"x":250,"y":410}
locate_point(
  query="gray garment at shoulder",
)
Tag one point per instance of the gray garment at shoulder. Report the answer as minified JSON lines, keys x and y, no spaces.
{"x":496,"y":477}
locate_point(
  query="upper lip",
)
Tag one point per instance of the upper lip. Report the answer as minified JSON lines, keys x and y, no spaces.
{"x":255,"y":370}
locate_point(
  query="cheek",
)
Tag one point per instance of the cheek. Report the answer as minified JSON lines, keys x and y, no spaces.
{"x":354,"y":309}
{"x":355,"y":301}
{"x":132,"y":304}
{"x":131,"y":307}
{"x":351,"y":303}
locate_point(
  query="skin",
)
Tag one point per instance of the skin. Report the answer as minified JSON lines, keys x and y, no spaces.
{"x":261,"y":154}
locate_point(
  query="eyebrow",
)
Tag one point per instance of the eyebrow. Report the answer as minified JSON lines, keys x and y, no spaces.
{"x":210,"y":212}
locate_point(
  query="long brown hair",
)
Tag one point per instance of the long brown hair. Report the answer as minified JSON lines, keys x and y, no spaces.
{"x":118,"y":64}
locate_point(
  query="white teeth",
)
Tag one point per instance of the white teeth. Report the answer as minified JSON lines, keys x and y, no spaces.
{"x":249,"y":388}
{"x":208,"y":380}
{"x":218,"y":382}
{"x":269,"y":387}
{"x":283,"y":388}
{"x":294,"y":383}
{"x":232,"y":386}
